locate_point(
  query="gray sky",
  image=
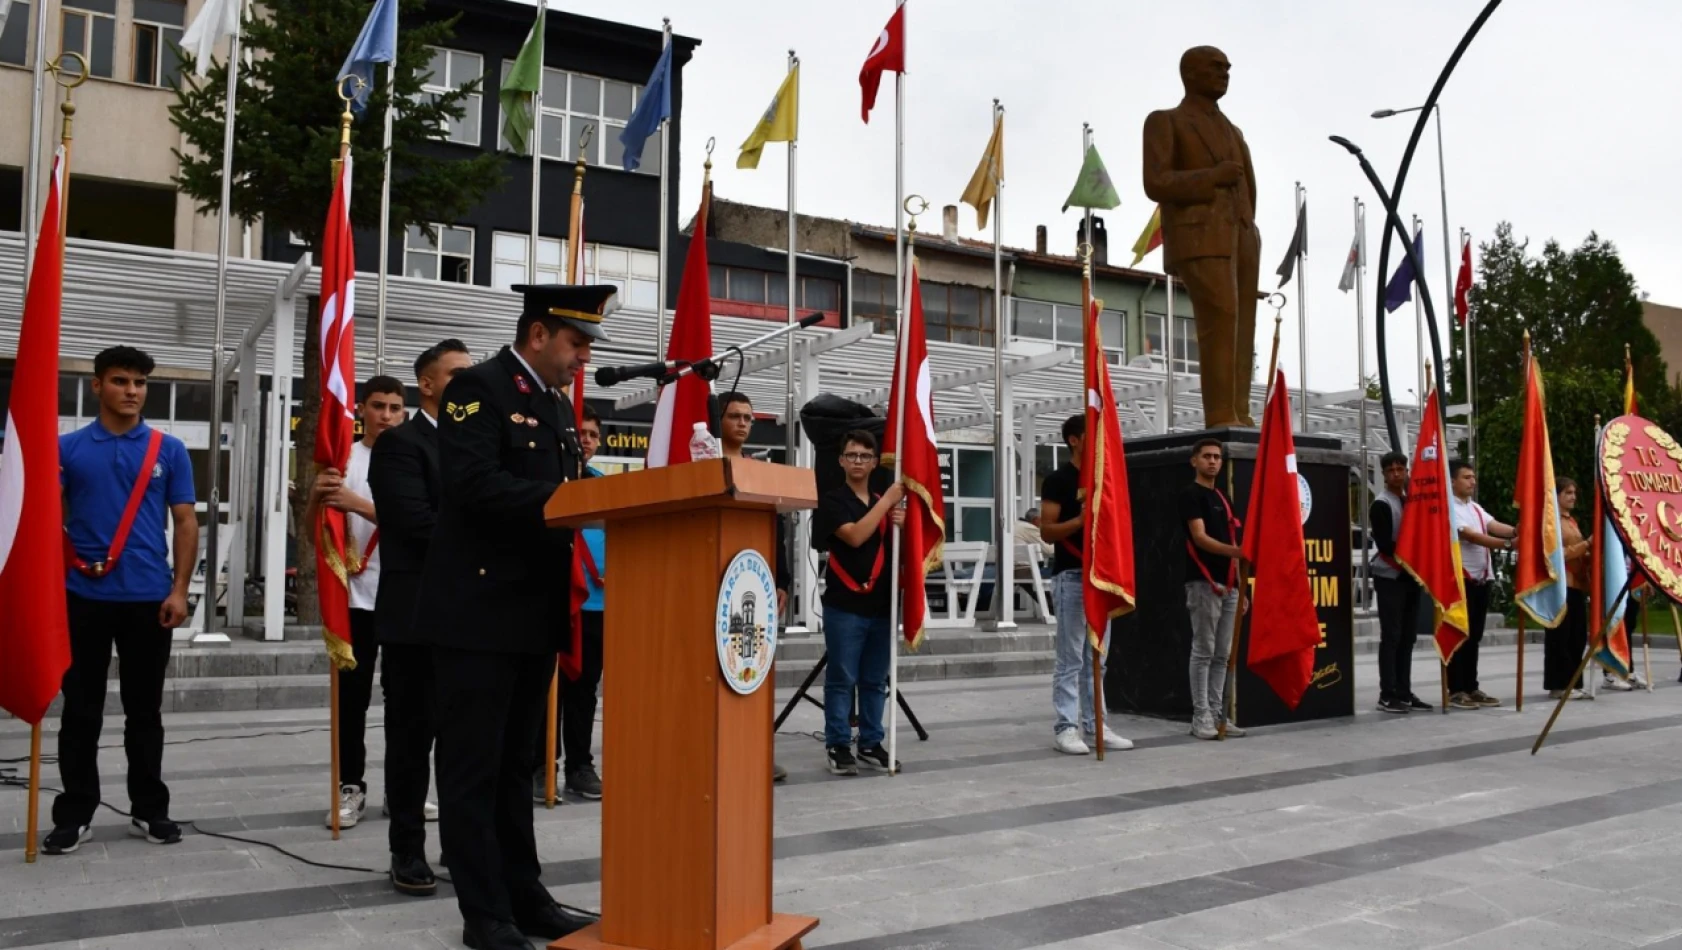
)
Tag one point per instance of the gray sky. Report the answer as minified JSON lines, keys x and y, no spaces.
{"x":1561,"y":118}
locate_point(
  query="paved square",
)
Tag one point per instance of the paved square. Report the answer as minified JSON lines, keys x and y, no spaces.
{"x":1374,"y":832}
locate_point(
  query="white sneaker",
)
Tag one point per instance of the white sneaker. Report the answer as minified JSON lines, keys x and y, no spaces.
{"x":1613,"y":683}
{"x":1069,"y":742}
{"x":352,"y":802}
{"x":1636,"y":682}
{"x":1580,"y":694}
{"x":429,"y":811}
{"x":1204,"y":729}
{"x":1112,"y":741}
{"x":1233,"y":732}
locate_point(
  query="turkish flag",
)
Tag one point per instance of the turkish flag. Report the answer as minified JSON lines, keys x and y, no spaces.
{"x":336,"y":425}
{"x":888,"y":55}
{"x":918,"y":464}
{"x":684,"y":403}
{"x":1107,"y":548}
{"x":1284,"y":629}
{"x":1426,"y":545}
{"x":34,"y":631}
{"x":1463,"y":283}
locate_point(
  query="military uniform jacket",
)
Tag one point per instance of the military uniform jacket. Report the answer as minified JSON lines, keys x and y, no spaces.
{"x":496,"y":578}
{"x":403,"y":477}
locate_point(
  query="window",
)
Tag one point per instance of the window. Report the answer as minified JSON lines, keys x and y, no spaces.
{"x":770,"y":288}
{"x":452,"y":70}
{"x":958,"y":313}
{"x":1060,"y":323}
{"x":575,"y":101}
{"x":636,"y":273}
{"x":508,"y":260}
{"x":89,"y":27}
{"x":873,"y":300}
{"x":14,"y":39}
{"x":448,"y":258}
{"x":1185,"y":341}
{"x":157,"y":34}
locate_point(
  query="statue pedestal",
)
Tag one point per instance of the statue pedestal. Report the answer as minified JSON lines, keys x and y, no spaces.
{"x":1151,"y":647}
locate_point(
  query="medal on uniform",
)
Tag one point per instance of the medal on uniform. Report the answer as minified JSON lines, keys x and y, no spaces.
{"x":516,"y":418}
{"x":531,"y":421}
{"x":521,"y":384}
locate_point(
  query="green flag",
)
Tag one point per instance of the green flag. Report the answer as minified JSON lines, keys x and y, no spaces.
{"x":1093,"y":189}
{"x":519,"y":90}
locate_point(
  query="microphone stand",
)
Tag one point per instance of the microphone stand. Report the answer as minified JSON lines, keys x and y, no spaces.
{"x":708,"y":369}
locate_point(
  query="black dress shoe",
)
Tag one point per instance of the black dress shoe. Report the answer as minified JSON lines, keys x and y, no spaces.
{"x":411,"y":875}
{"x":493,"y":935}
{"x":549,"y":919}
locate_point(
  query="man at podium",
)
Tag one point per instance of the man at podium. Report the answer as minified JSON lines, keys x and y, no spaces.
{"x":494,"y":605}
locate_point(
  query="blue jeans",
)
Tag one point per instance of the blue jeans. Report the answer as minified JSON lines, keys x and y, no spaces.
{"x":858,"y":656}
{"x":1071,"y":679}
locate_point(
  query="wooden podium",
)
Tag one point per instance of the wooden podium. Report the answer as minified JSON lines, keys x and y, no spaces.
{"x":686,"y":807}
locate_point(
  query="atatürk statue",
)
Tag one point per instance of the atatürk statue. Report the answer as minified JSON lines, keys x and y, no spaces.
{"x":1198,"y":169}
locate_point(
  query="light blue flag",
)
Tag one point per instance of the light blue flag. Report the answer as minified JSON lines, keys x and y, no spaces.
{"x":1614,"y":652}
{"x":654,"y":107}
{"x":377,"y":43}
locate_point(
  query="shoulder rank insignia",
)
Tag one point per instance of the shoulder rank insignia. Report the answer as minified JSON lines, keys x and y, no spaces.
{"x":521,"y":384}
{"x":460,"y":413}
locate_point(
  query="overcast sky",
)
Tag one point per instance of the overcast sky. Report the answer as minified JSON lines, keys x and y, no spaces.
{"x":1562,"y":118}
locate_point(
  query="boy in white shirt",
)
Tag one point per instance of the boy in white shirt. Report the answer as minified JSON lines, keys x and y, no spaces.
{"x":1479,"y":534}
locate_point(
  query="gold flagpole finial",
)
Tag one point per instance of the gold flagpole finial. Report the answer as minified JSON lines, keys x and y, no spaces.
{"x":578,"y":170}
{"x":1084,"y":251}
{"x":707,"y":167}
{"x":921,"y":205}
{"x":346,"y":118}
{"x":69,"y":80}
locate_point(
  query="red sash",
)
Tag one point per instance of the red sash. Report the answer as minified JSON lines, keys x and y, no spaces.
{"x":357,"y":567}
{"x":590,"y":566}
{"x":136,"y":495}
{"x":1232,"y":525}
{"x":875,"y":569}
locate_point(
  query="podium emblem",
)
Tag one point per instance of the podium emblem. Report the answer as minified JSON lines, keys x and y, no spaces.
{"x":745,"y":622}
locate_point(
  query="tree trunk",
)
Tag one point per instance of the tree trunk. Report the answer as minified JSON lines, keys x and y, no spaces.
{"x":309,"y":601}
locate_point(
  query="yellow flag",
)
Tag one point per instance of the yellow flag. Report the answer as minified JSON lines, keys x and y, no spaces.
{"x":780,"y":123}
{"x":984,"y":184}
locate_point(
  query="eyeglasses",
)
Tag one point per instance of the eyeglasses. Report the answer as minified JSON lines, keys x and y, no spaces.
{"x":858,"y":458}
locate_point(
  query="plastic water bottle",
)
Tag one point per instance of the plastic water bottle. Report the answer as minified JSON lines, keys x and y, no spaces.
{"x":702,"y":445}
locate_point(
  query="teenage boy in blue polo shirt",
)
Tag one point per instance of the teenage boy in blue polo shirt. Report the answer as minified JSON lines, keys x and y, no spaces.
{"x":121,"y":479}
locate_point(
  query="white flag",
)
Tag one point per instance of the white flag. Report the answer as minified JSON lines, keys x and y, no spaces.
{"x":1356,"y":260}
{"x":5,"y":8}
{"x":216,"y":19}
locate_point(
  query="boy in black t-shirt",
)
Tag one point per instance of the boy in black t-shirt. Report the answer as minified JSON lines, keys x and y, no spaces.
{"x":1212,"y":596}
{"x":856,"y":606}
{"x":1062,"y":517}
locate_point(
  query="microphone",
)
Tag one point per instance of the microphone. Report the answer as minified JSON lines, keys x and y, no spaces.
{"x":614,"y":375}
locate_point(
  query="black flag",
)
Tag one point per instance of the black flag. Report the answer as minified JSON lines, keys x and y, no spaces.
{"x":1299,"y":242}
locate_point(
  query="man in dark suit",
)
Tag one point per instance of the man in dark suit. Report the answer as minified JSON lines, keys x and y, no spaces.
{"x":403,"y":477}
{"x":495,"y":606}
{"x":1198,"y":169}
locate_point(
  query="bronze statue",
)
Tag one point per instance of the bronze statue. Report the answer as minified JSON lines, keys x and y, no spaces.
{"x":1198,"y":169}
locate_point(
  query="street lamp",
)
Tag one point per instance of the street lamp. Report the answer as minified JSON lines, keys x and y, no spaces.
{"x":1448,"y":265}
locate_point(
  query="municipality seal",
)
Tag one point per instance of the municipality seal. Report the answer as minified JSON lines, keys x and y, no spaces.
{"x":745,"y":621}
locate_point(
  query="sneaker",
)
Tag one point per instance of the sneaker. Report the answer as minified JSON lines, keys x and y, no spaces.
{"x":157,"y":831}
{"x":1232,"y":731}
{"x":1580,"y":694}
{"x":1415,"y":703}
{"x":1204,"y":729}
{"x":1069,"y":742}
{"x":585,"y":783}
{"x":352,"y":802}
{"x":1113,"y":742}
{"x":1613,"y":683}
{"x":540,"y":789}
{"x":1463,"y":701}
{"x":1484,"y":699}
{"x":840,"y":761}
{"x":65,"y":839}
{"x":875,"y":758}
{"x":1636,"y":682}
{"x":778,"y":773}
{"x":429,"y":811}
{"x":1392,"y":706}
{"x":410,"y":874}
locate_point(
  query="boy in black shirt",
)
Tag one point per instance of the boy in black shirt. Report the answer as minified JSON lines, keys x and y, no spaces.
{"x":856,"y":606}
{"x":1062,"y":516}
{"x":1212,"y":595}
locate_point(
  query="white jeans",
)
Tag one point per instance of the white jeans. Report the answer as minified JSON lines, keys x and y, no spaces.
{"x":1211,"y":641}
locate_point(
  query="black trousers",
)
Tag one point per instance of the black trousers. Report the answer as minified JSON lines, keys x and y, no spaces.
{"x":489,"y":710}
{"x":356,"y":690}
{"x":411,"y":724}
{"x":1463,"y":668}
{"x":577,"y":705}
{"x":1398,"y":606}
{"x":1563,"y":646}
{"x":142,"y":646}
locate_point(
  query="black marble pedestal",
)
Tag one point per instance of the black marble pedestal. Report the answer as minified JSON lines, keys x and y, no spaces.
{"x":1150,"y":647}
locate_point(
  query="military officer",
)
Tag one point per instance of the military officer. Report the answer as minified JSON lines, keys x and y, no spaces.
{"x":494,"y":605}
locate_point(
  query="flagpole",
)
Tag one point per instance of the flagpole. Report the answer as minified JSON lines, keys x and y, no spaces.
{"x":1168,"y":353}
{"x":32,"y":164}
{"x":901,"y":249}
{"x":536,"y":148}
{"x":1518,"y":688}
{"x":665,"y":211}
{"x":385,"y":221}
{"x":1005,"y":571}
{"x":345,"y":121}
{"x":1588,"y":654}
{"x":214,"y":462}
{"x":896,"y":600}
{"x":1086,"y":251}
{"x":1302,"y":310}
{"x":1361,"y":381}
{"x":1419,"y":340}
{"x":793,"y":283}
{"x":1471,"y":378}
{"x":1442,"y":463}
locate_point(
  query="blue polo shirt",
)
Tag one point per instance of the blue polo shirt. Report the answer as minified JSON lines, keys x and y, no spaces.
{"x":596,"y":539}
{"x":98,"y":470}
